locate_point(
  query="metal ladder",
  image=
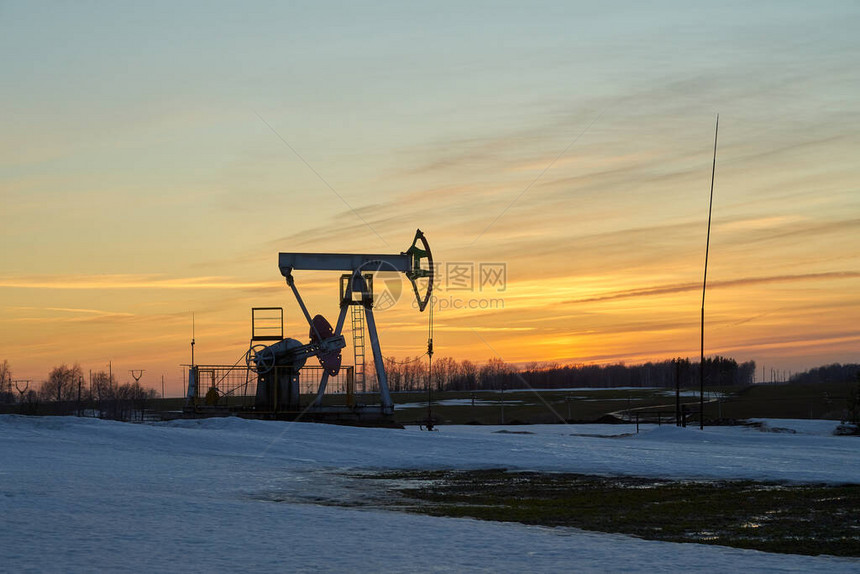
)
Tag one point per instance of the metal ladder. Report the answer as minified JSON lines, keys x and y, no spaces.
{"x":358,"y":346}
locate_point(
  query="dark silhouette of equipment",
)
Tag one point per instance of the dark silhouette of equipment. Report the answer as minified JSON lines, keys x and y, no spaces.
{"x":277,"y":362}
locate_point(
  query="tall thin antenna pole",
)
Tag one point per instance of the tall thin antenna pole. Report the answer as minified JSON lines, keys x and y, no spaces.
{"x":430,"y":370}
{"x":704,"y":285}
{"x":192,"y":339}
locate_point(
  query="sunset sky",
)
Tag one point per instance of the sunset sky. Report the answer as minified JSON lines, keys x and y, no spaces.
{"x":156,"y":157}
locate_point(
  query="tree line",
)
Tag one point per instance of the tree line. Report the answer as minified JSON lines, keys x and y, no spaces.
{"x":834,"y":373}
{"x":65,"y":392}
{"x":448,"y":374}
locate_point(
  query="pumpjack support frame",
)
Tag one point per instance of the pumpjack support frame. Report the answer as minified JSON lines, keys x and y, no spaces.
{"x":416,"y":263}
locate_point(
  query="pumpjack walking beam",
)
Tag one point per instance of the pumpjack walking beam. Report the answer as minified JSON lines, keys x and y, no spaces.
{"x":408,"y":262}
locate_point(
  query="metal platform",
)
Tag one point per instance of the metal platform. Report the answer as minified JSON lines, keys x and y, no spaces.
{"x":230,"y":390}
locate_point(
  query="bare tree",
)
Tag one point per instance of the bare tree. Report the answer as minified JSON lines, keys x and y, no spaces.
{"x":63,"y":384}
{"x":6,"y":394}
{"x":394,"y":374}
{"x":443,"y":370}
{"x":102,"y":386}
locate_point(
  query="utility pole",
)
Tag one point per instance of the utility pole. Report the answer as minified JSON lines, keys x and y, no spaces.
{"x":677,"y":392}
{"x":192,"y":339}
{"x":502,"y":404}
{"x":704,"y":285}
{"x":24,"y":390}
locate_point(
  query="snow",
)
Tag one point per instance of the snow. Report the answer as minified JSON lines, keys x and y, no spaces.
{"x":82,"y":495}
{"x":459,"y":403}
{"x":693,"y":394}
{"x":583,"y":389}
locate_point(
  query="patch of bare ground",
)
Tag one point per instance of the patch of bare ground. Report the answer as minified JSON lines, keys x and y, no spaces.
{"x":766,"y":516}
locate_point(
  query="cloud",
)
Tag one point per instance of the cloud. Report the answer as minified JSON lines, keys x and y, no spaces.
{"x":66,"y":315}
{"x":684,"y":287}
{"x":122,"y":281}
{"x":792,"y":229}
{"x":795,"y":342}
{"x":475,"y":329}
{"x":69,"y":310}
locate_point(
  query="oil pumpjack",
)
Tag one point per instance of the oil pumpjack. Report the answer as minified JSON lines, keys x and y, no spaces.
{"x":277,"y":366}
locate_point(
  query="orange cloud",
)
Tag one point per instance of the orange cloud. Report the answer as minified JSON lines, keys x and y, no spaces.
{"x":121,"y":281}
{"x":684,"y":287}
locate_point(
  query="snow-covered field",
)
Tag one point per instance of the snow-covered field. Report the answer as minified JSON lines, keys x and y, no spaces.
{"x":82,"y":495}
